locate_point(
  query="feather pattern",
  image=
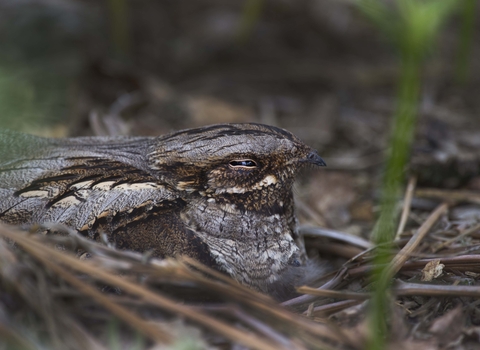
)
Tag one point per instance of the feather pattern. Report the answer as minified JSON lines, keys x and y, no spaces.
{"x":220,"y":194}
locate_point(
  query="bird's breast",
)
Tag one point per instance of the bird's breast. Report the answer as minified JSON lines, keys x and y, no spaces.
{"x":252,"y":247}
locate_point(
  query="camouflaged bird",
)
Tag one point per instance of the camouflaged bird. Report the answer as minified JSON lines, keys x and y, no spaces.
{"x":221,"y":194}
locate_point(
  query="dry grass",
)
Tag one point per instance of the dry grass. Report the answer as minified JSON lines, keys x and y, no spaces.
{"x":60,"y":296}
{"x":51,"y":299}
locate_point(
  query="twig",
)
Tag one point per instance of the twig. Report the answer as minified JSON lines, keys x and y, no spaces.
{"x":332,"y":234}
{"x":462,"y":261}
{"x":406,"y":205}
{"x":329,"y":309}
{"x":449,"y":195}
{"x":333,"y":293}
{"x":402,"y":256}
{"x":401,"y":289}
{"x":454,"y":261}
{"x":461,"y":235}
{"x":309,"y":298}
{"x":435,"y":290}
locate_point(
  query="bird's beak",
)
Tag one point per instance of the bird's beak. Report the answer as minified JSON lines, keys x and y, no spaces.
{"x":315,"y":159}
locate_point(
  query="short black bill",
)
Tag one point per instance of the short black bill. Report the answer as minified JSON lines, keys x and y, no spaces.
{"x":315,"y":159}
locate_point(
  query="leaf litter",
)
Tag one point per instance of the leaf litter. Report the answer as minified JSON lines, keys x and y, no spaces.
{"x":51,"y":299}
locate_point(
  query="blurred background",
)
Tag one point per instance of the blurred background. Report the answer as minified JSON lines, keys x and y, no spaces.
{"x":327,"y":70}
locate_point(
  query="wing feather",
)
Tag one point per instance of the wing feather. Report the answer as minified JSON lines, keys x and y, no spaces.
{"x":77,"y":181}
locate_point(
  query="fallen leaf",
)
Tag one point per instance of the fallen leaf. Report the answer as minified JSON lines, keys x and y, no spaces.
{"x":432,"y":270}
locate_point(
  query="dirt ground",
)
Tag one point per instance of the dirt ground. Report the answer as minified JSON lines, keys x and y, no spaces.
{"x":318,"y":68}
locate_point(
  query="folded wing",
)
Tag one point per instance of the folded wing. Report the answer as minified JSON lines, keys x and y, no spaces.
{"x":90,"y":184}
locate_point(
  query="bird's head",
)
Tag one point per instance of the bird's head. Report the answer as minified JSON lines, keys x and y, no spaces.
{"x":241,"y":163}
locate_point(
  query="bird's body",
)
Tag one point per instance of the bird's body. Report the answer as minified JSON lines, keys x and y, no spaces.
{"x":220,"y":194}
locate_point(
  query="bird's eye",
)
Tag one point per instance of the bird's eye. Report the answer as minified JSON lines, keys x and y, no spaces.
{"x":243,"y":163}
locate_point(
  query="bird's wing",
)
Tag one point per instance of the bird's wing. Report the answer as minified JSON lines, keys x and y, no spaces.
{"x":84,"y":183}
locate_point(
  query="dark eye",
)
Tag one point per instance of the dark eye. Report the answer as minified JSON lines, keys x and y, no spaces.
{"x":243,"y":163}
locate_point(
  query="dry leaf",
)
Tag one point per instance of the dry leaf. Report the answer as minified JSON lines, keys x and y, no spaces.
{"x":432,"y":270}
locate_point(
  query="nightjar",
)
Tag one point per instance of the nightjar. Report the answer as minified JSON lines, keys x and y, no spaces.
{"x":221,"y":194}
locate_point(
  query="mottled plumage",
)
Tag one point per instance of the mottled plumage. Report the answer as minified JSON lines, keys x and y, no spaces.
{"x":221,"y":194}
